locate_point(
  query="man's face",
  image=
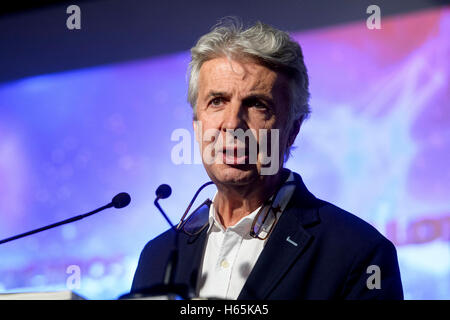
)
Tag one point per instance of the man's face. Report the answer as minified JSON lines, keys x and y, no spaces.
{"x":243,"y":95}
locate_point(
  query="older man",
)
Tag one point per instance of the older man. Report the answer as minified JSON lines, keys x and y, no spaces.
{"x":264,"y":236}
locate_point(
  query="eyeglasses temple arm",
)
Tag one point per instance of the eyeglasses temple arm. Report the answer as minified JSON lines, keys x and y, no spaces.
{"x":191,"y":203}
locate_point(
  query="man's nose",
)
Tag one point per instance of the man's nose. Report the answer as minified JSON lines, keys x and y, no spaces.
{"x":235,"y":117}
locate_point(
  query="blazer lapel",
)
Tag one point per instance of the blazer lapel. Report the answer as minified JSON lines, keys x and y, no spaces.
{"x":286,"y":243}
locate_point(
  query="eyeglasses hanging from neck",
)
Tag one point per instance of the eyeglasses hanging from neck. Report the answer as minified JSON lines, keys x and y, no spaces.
{"x":262,"y":225}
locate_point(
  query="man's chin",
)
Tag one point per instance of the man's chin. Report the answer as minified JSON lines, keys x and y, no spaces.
{"x":237,"y":175}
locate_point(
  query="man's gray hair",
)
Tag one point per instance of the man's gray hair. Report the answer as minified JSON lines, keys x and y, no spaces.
{"x":269,"y":46}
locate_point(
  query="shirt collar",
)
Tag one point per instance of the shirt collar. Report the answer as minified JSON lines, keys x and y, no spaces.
{"x":243,"y":226}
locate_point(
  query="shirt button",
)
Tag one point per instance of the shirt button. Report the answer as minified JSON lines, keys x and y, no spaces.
{"x":225,"y":264}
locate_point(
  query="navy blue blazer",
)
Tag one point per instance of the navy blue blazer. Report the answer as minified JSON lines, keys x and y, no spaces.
{"x":330,"y":261}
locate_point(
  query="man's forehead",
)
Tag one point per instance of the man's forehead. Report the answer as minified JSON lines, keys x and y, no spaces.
{"x":223,"y":72}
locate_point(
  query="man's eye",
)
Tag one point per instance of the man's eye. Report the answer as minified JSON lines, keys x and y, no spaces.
{"x":259,"y":105}
{"x":256,"y":104}
{"x":216,"y":102}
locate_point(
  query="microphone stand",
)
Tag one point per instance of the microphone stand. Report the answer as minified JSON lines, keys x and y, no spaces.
{"x":57,"y":224}
{"x":119,"y":201}
{"x":168,"y":288}
{"x":170,"y":270}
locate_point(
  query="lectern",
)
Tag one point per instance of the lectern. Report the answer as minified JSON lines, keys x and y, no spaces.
{"x":49,"y":295}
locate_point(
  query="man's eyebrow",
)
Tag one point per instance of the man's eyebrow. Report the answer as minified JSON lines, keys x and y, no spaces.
{"x":216,"y":94}
{"x":260,"y":96}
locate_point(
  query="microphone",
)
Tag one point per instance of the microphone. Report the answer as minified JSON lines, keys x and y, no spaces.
{"x":121,"y":200}
{"x":168,"y":286}
{"x":164,"y":191}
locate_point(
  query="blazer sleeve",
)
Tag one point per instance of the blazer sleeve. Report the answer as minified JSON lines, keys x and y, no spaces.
{"x":374,"y":274}
{"x":142,"y":273}
{"x":151,"y":265}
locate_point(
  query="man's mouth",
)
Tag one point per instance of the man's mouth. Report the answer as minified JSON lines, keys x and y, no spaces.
{"x":235,"y":156}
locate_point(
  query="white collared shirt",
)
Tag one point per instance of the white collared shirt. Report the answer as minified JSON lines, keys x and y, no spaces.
{"x":231,"y":253}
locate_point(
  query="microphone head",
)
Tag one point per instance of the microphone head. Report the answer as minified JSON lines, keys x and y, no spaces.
{"x":121,"y":200}
{"x":164,"y":191}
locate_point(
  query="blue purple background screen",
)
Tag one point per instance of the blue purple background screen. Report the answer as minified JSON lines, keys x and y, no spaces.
{"x":377,"y":144}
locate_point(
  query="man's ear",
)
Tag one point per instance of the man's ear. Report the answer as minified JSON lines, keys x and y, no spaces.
{"x":294,"y":131}
{"x":197,"y":126}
